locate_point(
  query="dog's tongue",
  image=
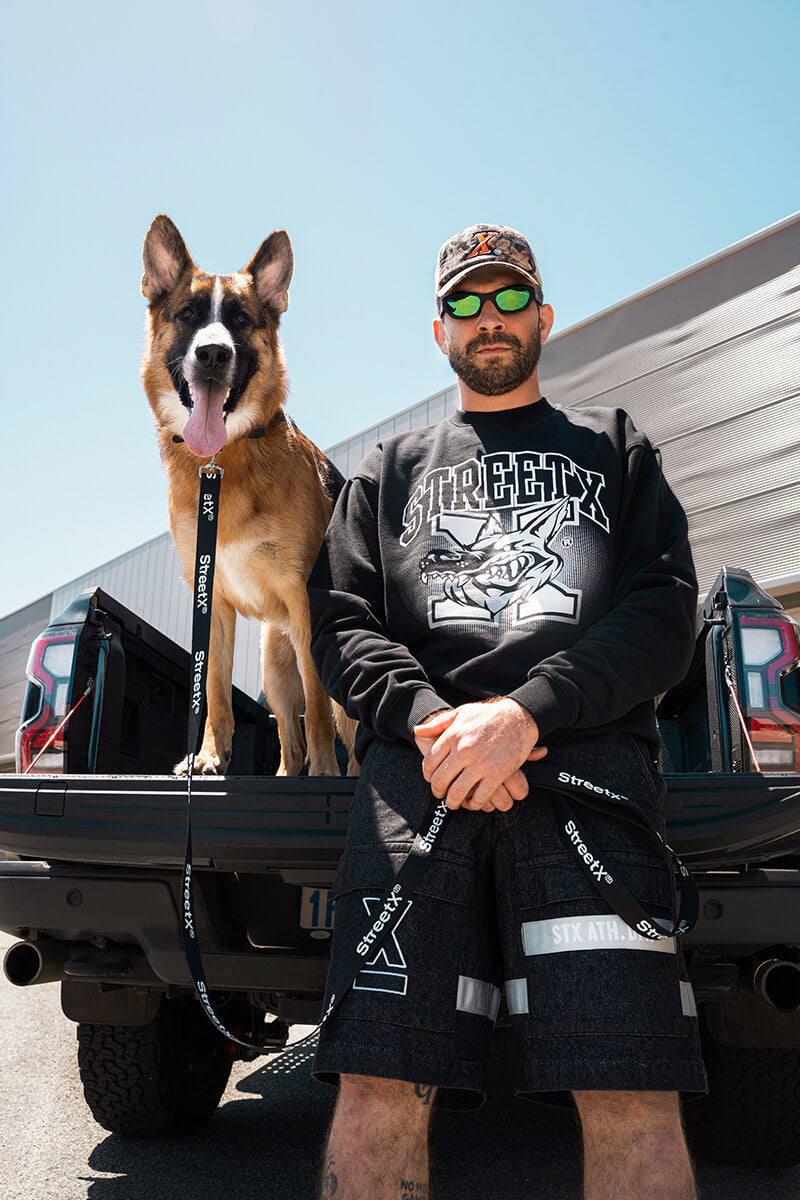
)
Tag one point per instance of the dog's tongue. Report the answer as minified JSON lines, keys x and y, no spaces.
{"x":204,"y":432}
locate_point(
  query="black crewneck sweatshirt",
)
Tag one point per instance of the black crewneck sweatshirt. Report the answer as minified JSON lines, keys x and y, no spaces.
{"x":533,"y":552}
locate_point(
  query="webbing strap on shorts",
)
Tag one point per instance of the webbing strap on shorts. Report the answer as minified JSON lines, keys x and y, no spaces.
{"x":601,"y":799}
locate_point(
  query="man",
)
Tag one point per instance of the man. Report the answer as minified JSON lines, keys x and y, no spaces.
{"x":512,"y":583}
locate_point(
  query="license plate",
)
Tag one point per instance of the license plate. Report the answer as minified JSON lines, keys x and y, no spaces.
{"x":316,"y":909}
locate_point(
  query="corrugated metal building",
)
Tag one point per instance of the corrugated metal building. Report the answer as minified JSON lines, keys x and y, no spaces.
{"x":706,"y":362}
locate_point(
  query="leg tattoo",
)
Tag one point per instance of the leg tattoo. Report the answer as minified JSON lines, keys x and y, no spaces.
{"x":330,"y":1184}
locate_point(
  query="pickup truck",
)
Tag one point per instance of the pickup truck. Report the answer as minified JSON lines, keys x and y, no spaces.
{"x":92,"y":835}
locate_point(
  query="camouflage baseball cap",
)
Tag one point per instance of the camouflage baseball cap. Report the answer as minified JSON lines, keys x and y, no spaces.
{"x":485,"y":246}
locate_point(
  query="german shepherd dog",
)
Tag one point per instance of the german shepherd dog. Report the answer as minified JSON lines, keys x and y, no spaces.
{"x":214,"y":374}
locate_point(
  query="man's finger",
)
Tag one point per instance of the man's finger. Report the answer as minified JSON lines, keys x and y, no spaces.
{"x":442,"y":777}
{"x":486,"y":789}
{"x":502,"y":798}
{"x":434,"y":725}
{"x":423,"y":744}
{"x":474,"y":806}
{"x":437,"y":754}
{"x":517,"y":786}
{"x":537,"y":753}
{"x":478,"y":805}
{"x":461,"y":788}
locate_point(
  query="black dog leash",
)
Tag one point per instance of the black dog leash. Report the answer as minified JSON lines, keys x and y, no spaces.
{"x":395,"y":900}
{"x":397,"y":897}
{"x":205,"y":559}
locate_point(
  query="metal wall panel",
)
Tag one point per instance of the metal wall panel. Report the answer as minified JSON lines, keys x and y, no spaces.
{"x":247,"y":656}
{"x":721,"y":537}
{"x":348,"y":454}
{"x":148,"y":580}
{"x":708,"y":365}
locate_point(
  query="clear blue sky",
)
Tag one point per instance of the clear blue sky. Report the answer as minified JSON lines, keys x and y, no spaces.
{"x":628,"y":139}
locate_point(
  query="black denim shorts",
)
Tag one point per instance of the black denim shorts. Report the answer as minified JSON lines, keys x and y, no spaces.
{"x":505,"y":907}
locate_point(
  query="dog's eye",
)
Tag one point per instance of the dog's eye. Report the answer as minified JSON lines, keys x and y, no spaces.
{"x":242,"y":320}
{"x":185,"y":314}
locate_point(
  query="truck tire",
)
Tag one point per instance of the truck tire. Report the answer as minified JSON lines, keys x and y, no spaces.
{"x":751,"y":1115}
{"x":164,"y":1079}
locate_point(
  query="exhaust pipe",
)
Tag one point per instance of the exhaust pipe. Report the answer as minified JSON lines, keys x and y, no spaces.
{"x":776,"y":982}
{"x":26,"y":963}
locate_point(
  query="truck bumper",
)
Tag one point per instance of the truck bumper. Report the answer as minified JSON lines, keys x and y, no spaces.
{"x":744,"y":911}
{"x":139,"y":909}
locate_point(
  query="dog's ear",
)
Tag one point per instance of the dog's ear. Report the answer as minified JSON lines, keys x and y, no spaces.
{"x":271,"y":268}
{"x":165,"y":258}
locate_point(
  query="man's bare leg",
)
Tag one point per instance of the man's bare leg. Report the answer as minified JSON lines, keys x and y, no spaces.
{"x":634,"y":1146}
{"x":378,"y":1144}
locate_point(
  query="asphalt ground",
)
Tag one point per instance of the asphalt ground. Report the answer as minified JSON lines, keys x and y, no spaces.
{"x":266,"y":1138}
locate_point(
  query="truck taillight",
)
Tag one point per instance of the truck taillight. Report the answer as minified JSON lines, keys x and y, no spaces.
{"x":770,"y":665}
{"x":50,"y":673}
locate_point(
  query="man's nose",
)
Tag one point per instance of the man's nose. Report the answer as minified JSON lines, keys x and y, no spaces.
{"x":490,"y":318}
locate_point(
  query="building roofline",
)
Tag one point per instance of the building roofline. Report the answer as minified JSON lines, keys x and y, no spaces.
{"x":393,"y":417}
{"x":31,"y":603}
{"x":682,"y":274}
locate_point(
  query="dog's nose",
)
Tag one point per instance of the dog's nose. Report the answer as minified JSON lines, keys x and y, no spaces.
{"x":213,"y":355}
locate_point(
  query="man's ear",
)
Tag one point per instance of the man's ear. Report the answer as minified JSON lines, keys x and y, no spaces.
{"x":165,"y":258}
{"x":546,"y":320}
{"x":271,"y":267}
{"x":441,"y":336}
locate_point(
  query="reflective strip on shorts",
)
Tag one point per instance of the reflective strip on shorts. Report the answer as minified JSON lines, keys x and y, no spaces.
{"x":381,"y":981}
{"x":517,"y":996}
{"x":688,"y":1006}
{"x":587,"y":933}
{"x":477,"y":997}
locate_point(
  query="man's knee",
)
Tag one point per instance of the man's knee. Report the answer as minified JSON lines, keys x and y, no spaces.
{"x":384,"y":1098}
{"x":629,"y":1110}
{"x":371,"y":1087}
{"x":634,"y":1145}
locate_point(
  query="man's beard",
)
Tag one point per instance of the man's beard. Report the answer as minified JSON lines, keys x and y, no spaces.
{"x":497,"y":376}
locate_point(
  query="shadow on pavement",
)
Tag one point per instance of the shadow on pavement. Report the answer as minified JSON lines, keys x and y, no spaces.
{"x":267,"y":1138}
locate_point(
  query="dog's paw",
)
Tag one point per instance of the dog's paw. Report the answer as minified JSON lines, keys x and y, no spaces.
{"x":324,"y":764}
{"x":205,"y":763}
{"x":208,"y":762}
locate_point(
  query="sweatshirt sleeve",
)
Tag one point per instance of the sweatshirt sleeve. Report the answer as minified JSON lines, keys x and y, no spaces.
{"x":376,"y":680}
{"x":644,"y":643}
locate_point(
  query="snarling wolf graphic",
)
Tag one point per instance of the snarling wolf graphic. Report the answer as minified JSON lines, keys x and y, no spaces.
{"x":486,"y":568}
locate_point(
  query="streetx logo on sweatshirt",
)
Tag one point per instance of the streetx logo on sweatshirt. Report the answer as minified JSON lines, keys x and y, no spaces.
{"x":494,"y":519}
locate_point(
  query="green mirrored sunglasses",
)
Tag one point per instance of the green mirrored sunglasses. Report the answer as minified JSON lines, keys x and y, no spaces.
{"x":469,"y":304}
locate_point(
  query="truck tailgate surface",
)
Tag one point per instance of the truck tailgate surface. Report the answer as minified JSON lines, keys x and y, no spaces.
{"x":253,"y":823}
{"x":237,"y":823}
